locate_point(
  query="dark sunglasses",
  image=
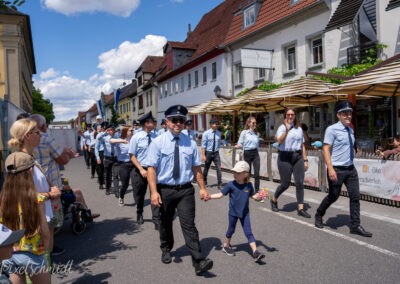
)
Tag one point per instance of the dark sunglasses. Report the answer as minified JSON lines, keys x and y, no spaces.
{"x":175,"y":120}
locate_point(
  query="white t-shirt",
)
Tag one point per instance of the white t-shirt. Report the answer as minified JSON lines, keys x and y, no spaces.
{"x":42,"y":185}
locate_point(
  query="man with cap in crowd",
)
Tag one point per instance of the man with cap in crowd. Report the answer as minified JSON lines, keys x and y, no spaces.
{"x":99,"y":121}
{"x":338,"y":153}
{"x":103,"y":141}
{"x":99,"y":154}
{"x":172,"y":160}
{"x":136,"y":127}
{"x":189,"y":130}
{"x":163,"y":127}
{"x":86,"y":144}
{"x":138,"y":148}
{"x":210,"y":144}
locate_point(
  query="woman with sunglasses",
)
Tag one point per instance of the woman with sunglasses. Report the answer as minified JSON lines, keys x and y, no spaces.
{"x":292,"y":159}
{"x":249,"y":140}
{"x":124,"y":162}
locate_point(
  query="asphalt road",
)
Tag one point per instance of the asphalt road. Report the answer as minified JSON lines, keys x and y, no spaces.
{"x":114,"y":249}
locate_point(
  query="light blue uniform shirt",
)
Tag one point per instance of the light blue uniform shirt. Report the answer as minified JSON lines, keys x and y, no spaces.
{"x":92,"y":142}
{"x":190,"y":133}
{"x":337,"y":136}
{"x":137,"y":130}
{"x":98,"y":146}
{"x":294,"y":139}
{"x":122,"y":152}
{"x":249,"y":140}
{"x":86,"y":134}
{"x":162,"y":131}
{"x":139,"y":145}
{"x":103,"y":139}
{"x":208,"y":140}
{"x":161,"y":156}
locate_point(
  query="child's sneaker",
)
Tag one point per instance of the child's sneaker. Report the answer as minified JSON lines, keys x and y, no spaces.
{"x":229,"y":251}
{"x":257,"y":256}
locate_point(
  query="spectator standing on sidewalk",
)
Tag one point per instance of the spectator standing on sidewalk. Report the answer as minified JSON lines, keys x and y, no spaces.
{"x":138,"y":149}
{"x":172,"y":160}
{"x":292,"y":159}
{"x":338,"y":153}
{"x":210,"y":143}
{"x":50,"y":156}
{"x":387,"y":153}
{"x":21,"y":207}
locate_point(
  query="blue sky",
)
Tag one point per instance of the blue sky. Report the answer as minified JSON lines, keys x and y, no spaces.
{"x":84,"y":47}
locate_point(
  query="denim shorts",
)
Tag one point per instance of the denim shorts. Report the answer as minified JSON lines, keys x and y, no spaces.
{"x":25,"y":263}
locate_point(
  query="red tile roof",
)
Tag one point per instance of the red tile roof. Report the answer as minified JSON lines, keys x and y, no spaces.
{"x":271,"y":11}
{"x":151,"y":64}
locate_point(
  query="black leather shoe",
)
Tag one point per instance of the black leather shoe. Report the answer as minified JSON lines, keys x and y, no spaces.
{"x":139,"y":219}
{"x":318,"y":221}
{"x":157,"y":226}
{"x":101,"y":187}
{"x":108,"y":191}
{"x":303,"y":213}
{"x":203,"y":266}
{"x":166,"y":257}
{"x":274,"y":205}
{"x":360,"y":231}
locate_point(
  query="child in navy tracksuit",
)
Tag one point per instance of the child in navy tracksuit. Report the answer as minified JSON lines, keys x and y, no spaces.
{"x":240,"y":190}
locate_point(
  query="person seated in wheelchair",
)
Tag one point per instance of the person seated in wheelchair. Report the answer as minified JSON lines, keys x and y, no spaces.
{"x":71,"y":195}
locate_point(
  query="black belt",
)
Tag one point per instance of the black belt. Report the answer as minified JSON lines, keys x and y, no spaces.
{"x":109,"y":158}
{"x":344,"y":167}
{"x":212,"y":152}
{"x":291,"y":152}
{"x":178,"y":186}
{"x":125,"y":163}
{"x":251,"y":150}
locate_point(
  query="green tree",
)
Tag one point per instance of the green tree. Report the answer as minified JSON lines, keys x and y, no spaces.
{"x":6,"y":5}
{"x":42,"y":106}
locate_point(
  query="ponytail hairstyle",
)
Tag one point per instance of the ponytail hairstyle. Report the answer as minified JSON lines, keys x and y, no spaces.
{"x":18,"y":131}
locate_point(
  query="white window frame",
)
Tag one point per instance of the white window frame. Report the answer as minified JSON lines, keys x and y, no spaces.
{"x":238,"y":74}
{"x":196,"y":78}
{"x":249,"y":16}
{"x":317,"y":50}
{"x":189,"y":82}
{"x":214,"y":71}
{"x":290,"y":54}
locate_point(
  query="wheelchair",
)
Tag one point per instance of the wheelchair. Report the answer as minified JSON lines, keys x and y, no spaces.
{"x":75,"y":211}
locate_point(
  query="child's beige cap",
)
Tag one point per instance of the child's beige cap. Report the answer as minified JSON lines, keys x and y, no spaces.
{"x":241,"y":166}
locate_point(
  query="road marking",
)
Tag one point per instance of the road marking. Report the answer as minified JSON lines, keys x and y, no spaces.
{"x":350,"y":239}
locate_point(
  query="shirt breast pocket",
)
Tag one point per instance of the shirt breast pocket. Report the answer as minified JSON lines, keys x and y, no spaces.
{"x":187,"y":154}
{"x":167,"y":154}
{"x":142,"y":144}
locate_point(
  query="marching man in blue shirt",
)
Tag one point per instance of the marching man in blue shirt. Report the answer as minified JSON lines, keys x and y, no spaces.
{"x":138,"y":148}
{"x":210,"y":143}
{"x":338,"y":152}
{"x":172,"y":160}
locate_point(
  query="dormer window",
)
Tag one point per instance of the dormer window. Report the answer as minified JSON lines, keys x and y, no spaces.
{"x":249,"y":16}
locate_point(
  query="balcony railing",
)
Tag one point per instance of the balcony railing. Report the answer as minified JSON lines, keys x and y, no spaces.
{"x":361,"y":53}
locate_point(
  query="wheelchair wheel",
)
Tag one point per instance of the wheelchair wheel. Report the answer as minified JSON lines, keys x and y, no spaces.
{"x":78,"y":227}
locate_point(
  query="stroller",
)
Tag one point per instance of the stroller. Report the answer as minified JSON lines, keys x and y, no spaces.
{"x":73,"y":209}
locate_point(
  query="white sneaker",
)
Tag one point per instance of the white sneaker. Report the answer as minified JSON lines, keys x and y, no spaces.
{"x":121,"y":201}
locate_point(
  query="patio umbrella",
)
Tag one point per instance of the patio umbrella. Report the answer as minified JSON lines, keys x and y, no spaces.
{"x":381,"y":81}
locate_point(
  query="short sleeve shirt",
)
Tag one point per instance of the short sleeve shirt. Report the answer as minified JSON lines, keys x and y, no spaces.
{"x":294,"y":139}
{"x":239,"y":195}
{"x":337,"y":136}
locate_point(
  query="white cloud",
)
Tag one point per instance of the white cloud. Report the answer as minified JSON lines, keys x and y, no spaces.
{"x":123,"y":61}
{"x":122,"y":8}
{"x":70,"y":95}
{"x":49,"y":73}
